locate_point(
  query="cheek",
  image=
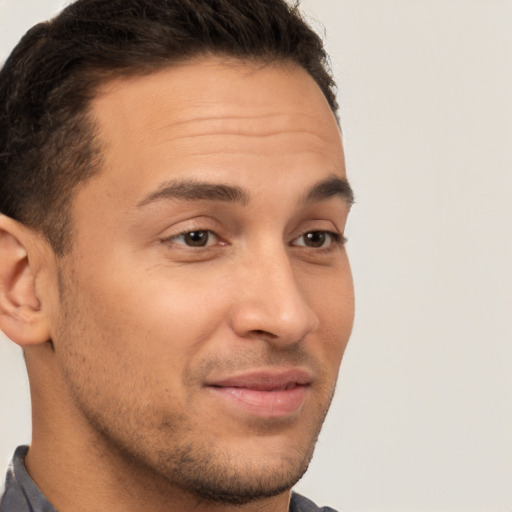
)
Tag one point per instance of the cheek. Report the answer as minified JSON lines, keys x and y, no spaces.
{"x":331,"y":296}
{"x":330,"y":293}
{"x":125,"y":342}
{"x":153,"y":321}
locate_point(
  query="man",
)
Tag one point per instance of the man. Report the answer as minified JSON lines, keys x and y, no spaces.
{"x":173,"y":198}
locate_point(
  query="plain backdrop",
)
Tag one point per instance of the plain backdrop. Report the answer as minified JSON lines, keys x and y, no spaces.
{"x":422,"y":420}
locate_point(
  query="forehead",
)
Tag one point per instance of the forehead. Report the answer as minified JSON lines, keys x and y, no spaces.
{"x":214,"y":119}
{"x":211,"y":85}
{"x":212,"y":95}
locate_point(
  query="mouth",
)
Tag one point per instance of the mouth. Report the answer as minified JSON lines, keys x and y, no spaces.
{"x":267,"y":394}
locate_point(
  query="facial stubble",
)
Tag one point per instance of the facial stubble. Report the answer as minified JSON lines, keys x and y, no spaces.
{"x":170,"y":449}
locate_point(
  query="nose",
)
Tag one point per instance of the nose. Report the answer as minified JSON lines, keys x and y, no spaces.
{"x":270,"y":303}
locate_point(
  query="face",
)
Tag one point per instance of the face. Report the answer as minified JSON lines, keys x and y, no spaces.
{"x":207,"y":300}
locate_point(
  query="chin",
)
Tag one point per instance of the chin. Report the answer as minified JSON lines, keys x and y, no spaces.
{"x":242,"y":482}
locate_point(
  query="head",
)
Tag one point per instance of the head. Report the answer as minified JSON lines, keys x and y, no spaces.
{"x":174,"y":200}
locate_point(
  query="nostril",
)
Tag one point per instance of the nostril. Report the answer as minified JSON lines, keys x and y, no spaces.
{"x":261,"y":332}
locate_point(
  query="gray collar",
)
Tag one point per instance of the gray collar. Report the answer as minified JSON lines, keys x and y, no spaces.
{"x":21,"y":493}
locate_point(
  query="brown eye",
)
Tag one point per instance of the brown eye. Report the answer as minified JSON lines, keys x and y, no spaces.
{"x":318,"y":239}
{"x":198,"y":238}
{"x":315,"y":239}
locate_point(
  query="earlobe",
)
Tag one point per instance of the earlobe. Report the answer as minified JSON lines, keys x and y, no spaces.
{"x":22,"y":317}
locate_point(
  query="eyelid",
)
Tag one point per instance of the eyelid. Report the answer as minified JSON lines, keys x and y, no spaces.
{"x":172,"y":239}
{"x":336,"y":238}
{"x":210,"y":234}
{"x":192,"y":223}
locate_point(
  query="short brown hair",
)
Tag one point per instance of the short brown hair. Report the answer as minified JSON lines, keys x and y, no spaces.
{"x":47,"y":143}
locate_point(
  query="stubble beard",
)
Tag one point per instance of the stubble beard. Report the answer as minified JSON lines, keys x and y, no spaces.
{"x":162,"y":450}
{"x":196,"y":467}
{"x":199,"y":469}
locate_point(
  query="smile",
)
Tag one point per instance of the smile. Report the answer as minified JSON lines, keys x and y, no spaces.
{"x":264,"y":394}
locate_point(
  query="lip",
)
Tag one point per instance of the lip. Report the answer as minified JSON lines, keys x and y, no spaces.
{"x":264,"y":393}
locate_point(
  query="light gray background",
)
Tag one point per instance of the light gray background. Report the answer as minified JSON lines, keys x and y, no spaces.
{"x":423,"y":416}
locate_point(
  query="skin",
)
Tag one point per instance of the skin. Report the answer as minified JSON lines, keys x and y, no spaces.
{"x":125,"y":335}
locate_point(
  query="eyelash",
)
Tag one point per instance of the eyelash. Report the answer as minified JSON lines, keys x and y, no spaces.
{"x":172,"y":239}
{"x":337,"y":240}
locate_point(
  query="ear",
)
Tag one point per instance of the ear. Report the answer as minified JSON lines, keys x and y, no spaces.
{"x":22,"y":317}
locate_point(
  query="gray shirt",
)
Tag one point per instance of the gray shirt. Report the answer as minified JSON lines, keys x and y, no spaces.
{"x":22,"y":495}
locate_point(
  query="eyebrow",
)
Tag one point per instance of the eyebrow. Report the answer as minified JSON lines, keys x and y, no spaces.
{"x":330,"y":187}
{"x":193,"y":190}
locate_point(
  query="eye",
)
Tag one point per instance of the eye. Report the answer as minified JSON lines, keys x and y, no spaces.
{"x":196,"y":238}
{"x":318,"y":239}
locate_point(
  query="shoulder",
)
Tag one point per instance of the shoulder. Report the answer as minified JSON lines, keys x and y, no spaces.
{"x":299,"y":503}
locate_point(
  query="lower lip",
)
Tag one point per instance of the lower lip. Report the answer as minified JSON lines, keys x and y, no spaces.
{"x":269,"y":404}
